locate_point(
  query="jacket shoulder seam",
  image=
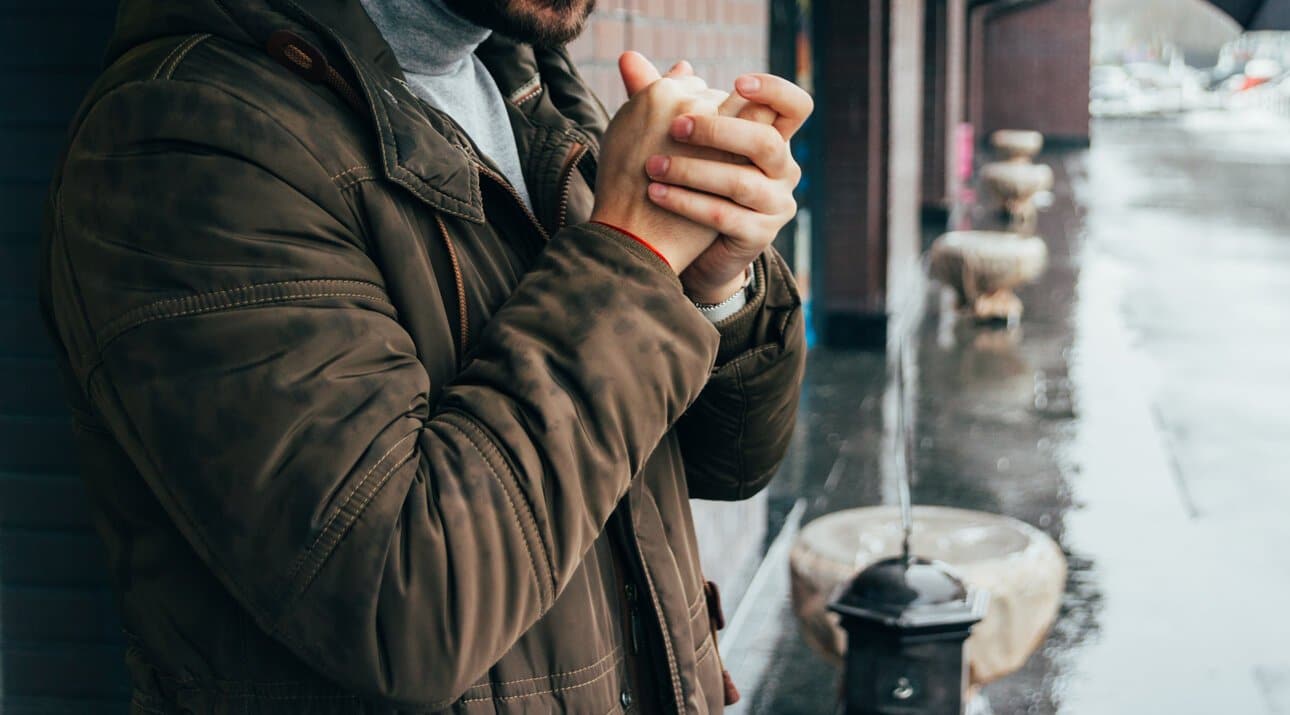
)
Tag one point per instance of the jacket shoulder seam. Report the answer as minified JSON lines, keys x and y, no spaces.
{"x":166,"y":69}
{"x":239,"y":98}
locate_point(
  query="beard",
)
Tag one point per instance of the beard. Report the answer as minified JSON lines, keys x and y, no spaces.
{"x":545,"y":23}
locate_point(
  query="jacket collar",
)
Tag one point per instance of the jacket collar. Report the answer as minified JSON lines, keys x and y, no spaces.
{"x":438,"y":166}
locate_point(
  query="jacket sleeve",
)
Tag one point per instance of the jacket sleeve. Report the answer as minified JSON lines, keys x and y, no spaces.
{"x":230,"y":329}
{"x":735,"y":435}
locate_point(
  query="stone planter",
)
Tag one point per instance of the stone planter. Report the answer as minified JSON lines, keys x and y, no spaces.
{"x":1013,"y":186}
{"x":982,"y":268}
{"x":1017,"y":144}
{"x":1021,"y":567}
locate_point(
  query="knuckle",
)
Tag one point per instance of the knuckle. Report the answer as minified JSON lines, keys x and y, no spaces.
{"x":772,"y":230}
{"x":678,"y":171}
{"x":745,"y":190}
{"x":703,"y":130}
{"x":768,"y":143}
{"x":719,"y":217}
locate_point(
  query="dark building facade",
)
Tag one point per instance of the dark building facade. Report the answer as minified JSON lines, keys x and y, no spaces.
{"x":60,"y":642}
{"x":1029,"y":67}
{"x":904,"y":89}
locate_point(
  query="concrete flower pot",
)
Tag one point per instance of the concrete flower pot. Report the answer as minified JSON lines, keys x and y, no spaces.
{"x":1016,"y":182}
{"x":1014,"y":185}
{"x":1021,"y":567}
{"x":1017,"y":144}
{"x":983,"y":268}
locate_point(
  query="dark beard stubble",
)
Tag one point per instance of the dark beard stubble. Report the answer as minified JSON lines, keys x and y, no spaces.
{"x":544,"y":23}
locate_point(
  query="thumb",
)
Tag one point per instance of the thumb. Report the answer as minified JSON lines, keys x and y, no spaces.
{"x":638,"y":72}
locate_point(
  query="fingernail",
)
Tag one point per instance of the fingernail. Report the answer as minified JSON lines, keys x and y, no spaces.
{"x":657,"y":165}
{"x":682,"y":127}
{"x":657,"y":191}
{"x":748,"y":84}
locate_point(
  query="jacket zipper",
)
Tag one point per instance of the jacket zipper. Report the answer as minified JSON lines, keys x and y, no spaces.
{"x":633,"y":618}
{"x":463,"y":313}
{"x":519,"y":200}
{"x":576,"y":152}
{"x":622,"y":520}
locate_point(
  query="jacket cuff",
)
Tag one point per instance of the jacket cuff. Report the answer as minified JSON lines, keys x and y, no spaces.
{"x":738,"y":332}
{"x":639,"y":241}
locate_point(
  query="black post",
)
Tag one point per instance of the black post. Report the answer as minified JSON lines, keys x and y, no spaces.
{"x":906,"y":622}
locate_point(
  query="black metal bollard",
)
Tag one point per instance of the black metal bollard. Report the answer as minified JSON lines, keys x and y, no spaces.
{"x":906,"y":620}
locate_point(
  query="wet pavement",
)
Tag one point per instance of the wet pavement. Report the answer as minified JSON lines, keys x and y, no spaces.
{"x":1138,"y":416}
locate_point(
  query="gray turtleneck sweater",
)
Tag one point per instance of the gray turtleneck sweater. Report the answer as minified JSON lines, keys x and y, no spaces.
{"x":436,"y":50}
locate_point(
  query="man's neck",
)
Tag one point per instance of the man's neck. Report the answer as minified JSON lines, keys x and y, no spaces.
{"x":426,"y":37}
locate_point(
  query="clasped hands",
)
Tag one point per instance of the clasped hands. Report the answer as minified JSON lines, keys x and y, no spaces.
{"x":705,"y":177}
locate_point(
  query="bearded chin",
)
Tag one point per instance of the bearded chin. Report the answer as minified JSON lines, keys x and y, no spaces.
{"x":544,"y":23}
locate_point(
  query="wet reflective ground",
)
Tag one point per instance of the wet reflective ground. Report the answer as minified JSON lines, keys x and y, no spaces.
{"x":1138,"y":416}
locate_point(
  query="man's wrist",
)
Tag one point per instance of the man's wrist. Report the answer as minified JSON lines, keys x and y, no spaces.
{"x":720,"y":294}
{"x":733,"y":303}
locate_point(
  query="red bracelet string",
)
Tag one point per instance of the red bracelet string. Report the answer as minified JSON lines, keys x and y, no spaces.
{"x":637,"y":239}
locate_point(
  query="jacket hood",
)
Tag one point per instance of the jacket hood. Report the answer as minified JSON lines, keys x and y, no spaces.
{"x":251,"y":21}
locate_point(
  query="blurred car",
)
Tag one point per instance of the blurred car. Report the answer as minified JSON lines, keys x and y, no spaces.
{"x":1146,"y":89}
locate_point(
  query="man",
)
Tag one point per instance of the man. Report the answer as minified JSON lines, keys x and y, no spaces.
{"x":386,"y":410}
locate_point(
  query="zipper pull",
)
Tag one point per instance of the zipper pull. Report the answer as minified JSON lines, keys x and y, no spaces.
{"x":634,"y":617}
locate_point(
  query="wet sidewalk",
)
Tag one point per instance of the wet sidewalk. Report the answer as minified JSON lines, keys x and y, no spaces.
{"x":1138,"y":416}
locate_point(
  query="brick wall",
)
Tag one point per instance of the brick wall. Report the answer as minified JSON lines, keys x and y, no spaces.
{"x":721,"y":38}
{"x":1036,"y":67}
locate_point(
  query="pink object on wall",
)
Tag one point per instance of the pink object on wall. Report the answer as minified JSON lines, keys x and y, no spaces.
{"x":966,"y":138}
